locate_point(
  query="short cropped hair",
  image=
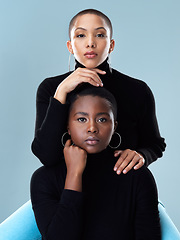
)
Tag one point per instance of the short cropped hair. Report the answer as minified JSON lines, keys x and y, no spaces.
{"x":86,"y":89}
{"x":91,"y":11}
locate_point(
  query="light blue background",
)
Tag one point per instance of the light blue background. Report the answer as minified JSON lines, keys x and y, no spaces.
{"x":33,"y":37}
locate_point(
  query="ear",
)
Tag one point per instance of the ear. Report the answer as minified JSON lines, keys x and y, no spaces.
{"x":112,"y":44}
{"x":115,"y":126}
{"x":69,"y":46}
{"x":68,"y":131}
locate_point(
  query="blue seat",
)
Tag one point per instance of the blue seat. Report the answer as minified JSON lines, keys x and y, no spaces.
{"x":168,"y":229}
{"x":21,"y":225}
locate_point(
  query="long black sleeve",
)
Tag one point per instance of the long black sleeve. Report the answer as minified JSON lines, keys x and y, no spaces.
{"x":151,"y":144}
{"x":137,"y":123}
{"x":111,"y":206}
{"x":58,"y":212}
{"x":51,"y":123}
{"x":147,"y":222}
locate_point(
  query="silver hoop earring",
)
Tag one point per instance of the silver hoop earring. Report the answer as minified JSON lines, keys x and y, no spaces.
{"x":118,"y":143}
{"x":109,"y":62}
{"x":62,"y":138}
{"x":69,"y":62}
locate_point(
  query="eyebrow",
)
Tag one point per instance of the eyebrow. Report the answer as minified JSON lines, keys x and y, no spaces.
{"x":81,"y":28}
{"x":103,"y":113}
{"x":100,"y":28}
{"x":81,"y":113}
{"x":86,"y":114}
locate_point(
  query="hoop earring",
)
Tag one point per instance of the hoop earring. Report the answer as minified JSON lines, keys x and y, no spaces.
{"x":69,"y":62}
{"x":109,"y":62}
{"x":62,"y":138}
{"x":119,"y":141}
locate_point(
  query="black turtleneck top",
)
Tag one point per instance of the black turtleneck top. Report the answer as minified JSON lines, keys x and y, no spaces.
{"x":110,"y":206}
{"x":137,"y":123}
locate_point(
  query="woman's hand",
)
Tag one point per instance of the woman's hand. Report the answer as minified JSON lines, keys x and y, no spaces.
{"x":75,"y":159}
{"x":80,"y":75}
{"x":127,"y":160}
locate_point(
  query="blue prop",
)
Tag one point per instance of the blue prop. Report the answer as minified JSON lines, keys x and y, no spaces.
{"x":21,"y":225}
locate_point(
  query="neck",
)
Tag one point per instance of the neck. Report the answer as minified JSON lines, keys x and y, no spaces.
{"x":103,"y":153}
{"x":97,"y":160}
{"x":103,"y":66}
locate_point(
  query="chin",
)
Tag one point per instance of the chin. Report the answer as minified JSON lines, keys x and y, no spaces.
{"x":91,"y":63}
{"x":94,"y":150}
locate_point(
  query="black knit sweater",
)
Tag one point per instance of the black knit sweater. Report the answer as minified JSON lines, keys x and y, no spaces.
{"x":110,"y":206}
{"x":137,"y":123}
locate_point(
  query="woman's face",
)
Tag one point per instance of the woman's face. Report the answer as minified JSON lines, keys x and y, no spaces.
{"x":91,"y":123}
{"x":90,"y":40}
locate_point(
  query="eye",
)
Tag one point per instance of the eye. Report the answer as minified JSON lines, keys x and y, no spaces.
{"x":81,"y":119}
{"x":100,"y":35}
{"x":80,"y":36}
{"x":102,"y":120}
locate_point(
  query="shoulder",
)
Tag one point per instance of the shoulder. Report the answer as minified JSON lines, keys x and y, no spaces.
{"x":143,"y":178}
{"x":42,"y":174}
{"x":48,"y":175}
{"x":135,"y":93}
{"x":129,"y":81}
{"x":142,"y":172}
{"x":133,"y":88}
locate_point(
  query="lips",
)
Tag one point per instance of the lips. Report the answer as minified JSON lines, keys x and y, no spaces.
{"x":90,"y":54}
{"x":92,"y":141}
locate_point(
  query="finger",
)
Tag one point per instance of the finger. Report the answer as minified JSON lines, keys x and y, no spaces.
{"x":127,"y":158}
{"x":68,"y":143}
{"x":123,"y":155}
{"x":140,"y":164}
{"x":91,"y":74}
{"x":135,"y":161}
{"x":129,"y":167}
{"x":87,"y":78}
{"x":92,"y":82}
{"x":122,"y":166}
{"x":118,"y":163}
{"x":99,"y":71}
{"x":117,"y":153}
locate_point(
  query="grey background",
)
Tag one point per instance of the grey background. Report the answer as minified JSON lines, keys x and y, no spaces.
{"x":33,"y":37}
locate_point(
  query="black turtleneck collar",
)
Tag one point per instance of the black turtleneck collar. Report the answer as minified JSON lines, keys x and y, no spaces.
{"x":103,"y":155}
{"x":103,"y":66}
{"x":103,"y":160}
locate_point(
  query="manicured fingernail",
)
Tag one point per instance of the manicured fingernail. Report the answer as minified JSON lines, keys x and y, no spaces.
{"x":124,"y":171}
{"x":115,"y":168}
{"x":118,"y":172}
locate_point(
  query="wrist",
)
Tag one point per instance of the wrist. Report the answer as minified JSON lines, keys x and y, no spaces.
{"x":60,"y":95}
{"x":73,"y":182}
{"x":74,"y":174}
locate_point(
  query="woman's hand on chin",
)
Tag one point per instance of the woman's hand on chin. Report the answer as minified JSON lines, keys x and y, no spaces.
{"x":79,"y":76}
{"x":75,"y":159}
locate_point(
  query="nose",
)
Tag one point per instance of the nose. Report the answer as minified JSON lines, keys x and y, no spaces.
{"x":92,"y":127}
{"x":91,"y":42}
